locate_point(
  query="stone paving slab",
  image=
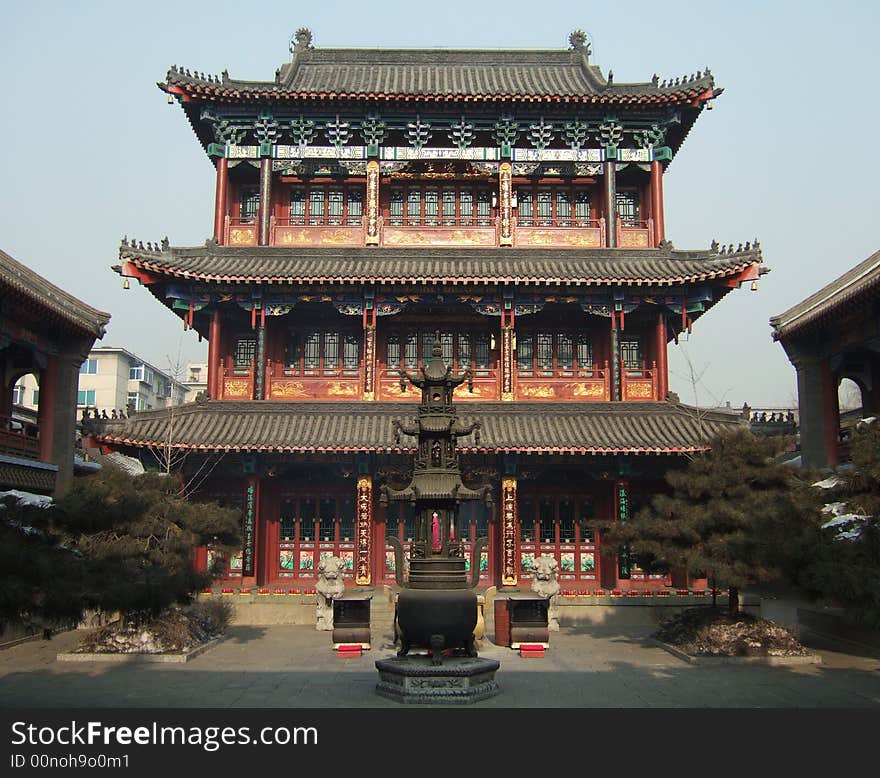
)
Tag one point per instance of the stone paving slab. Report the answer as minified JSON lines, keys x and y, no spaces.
{"x":295,"y":667}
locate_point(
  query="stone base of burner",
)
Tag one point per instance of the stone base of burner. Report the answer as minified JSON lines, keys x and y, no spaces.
{"x":458,"y":681}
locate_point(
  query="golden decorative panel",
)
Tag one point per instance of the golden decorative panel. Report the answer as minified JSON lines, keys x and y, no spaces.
{"x":311,"y":236}
{"x":288,"y":389}
{"x":580,"y":238}
{"x":639,"y":391}
{"x":543,"y":391}
{"x":242,"y":236}
{"x":340,"y":389}
{"x":588,"y":390}
{"x":438,"y":237}
{"x":236,"y":389}
{"x":634,"y":239}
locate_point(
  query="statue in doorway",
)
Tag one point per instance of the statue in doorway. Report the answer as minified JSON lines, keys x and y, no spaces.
{"x":330,"y":586}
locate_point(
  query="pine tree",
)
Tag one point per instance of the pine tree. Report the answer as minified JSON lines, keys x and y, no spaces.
{"x":845,"y":562}
{"x":113,"y":543}
{"x":734,"y":514}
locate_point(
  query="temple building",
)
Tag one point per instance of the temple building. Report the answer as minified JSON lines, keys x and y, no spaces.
{"x":46,"y":333}
{"x":832,"y":335}
{"x":369,"y":199}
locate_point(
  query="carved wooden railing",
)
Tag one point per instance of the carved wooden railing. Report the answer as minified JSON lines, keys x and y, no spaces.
{"x":567,"y":233}
{"x":286,"y":383}
{"x":635,"y":234}
{"x":237,"y":383}
{"x":18,"y":437}
{"x":284,"y":233}
{"x":582,"y":385}
{"x":240,"y":232}
{"x":487,"y":386}
{"x":642,"y":384}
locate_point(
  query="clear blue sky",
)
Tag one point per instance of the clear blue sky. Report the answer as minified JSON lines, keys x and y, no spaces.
{"x":91,"y":151}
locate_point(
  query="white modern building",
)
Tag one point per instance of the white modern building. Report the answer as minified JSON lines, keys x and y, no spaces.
{"x":113,"y":379}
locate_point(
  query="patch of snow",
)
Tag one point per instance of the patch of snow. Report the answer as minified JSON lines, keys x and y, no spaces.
{"x":828,"y":483}
{"x":28,"y":498}
{"x":834,"y":508}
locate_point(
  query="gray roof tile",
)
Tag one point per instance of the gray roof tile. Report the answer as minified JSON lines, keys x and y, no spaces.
{"x":590,"y":428}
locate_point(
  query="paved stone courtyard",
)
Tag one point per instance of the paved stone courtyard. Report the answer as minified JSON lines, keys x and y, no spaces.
{"x":295,"y":667}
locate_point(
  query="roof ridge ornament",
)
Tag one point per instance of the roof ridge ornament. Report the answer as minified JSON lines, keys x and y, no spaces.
{"x":578,"y":42}
{"x":301,"y":41}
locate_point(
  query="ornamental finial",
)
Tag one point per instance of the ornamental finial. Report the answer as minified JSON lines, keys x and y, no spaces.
{"x":577,"y":40}
{"x":301,"y":40}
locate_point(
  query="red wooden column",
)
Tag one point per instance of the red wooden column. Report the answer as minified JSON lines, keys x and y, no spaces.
{"x":265,"y":200}
{"x":830,"y":414}
{"x":220,"y":199}
{"x":657,"y":202}
{"x":610,"y":203}
{"x":46,"y":408}
{"x":662,"y":358}
{"x":215,"y":380}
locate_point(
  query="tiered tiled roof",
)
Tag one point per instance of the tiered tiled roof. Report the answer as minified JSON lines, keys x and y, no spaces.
{"x":52,"y":301}
{"x":862,"y":281}
{"x":586,"y":428}
{"x":443,"y":74}
{"x":577,"y":267}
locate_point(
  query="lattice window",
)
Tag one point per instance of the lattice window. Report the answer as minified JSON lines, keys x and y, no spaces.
{"x":346,"y":520}
{"x":584,"y":353}
{"x":351,"y":354}
{"x":321,"y":205}
{"x":428,"y":206}
{"x":551,"y":354}
{"x":631,"y":353}
{"x":547,"y":519}
{"x":327,"y":520}
{"x":558,"y":206}
{"x":459,"y":349}
{"x":322,"y":352}
{"x":245,"y":351}
{"x":249,"y":204}
{"x":628,"y":208}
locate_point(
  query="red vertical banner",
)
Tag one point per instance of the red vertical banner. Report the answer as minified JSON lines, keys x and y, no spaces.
{"x":220,"y":200}
{"x":505,"y":203}
{"x":249,"y":529}
{"x":506,"y":363}
{"x":364,"y":530}
{"x":372,"y":216}
{"x":509,"y":533}
{"x":369,"y":360}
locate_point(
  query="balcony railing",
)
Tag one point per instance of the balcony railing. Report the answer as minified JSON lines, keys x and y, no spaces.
{"x":588,"y":384}
{"x":639,"y":383}
{"x":294,"y":383}
{"x":574,"y":233}
{"x":19,"y":438}
{"x":459,"y":231}
{"x":237,"y":382}
{"x":240,"y":232}
{"x":333,"y":231}
{"x":635,"y":233}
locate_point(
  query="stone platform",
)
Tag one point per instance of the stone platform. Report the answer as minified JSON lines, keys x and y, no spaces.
{"x":459,"y":680}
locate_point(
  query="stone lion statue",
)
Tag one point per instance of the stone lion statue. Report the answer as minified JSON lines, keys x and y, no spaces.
{"x":544,"y":582}
{"x":330,"y":586}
